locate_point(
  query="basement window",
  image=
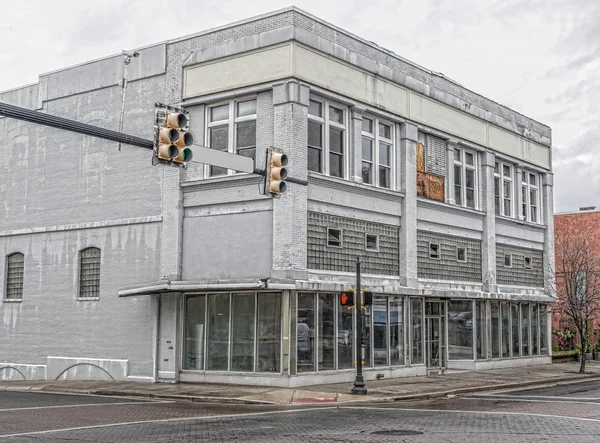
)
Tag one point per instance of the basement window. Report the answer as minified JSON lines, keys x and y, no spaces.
{"x":434,"y":251}
{"x":334,"y":237}
{"x":372,"y":241}
{"x":528,"y":262}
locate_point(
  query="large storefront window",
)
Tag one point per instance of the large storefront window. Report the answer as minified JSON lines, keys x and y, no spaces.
{"x":268,"y":333}
{"x":460,"y":330}
{"x":218,"y":332}
{"x":543,"y":330}
{"x":195,"y":330}
{"x":495,"y":329}
{"x":326,"y":331}
{"x":345,"y":336}
{"x":534,"y":330}
{"x":416,"y":314}
{"x":505,"y":312}
{"x":480,"y":316}
{"x":525,"y":329}
{"x":380,"y":331}
{"x":306,"y":333}
{"x":397,"y":330}
{"x":516,"y":340}
{"x":242,"y":333}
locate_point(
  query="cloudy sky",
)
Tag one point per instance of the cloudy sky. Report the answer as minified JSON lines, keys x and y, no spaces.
{"x":539,"y":57}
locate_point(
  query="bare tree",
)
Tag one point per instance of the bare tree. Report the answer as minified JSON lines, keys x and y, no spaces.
{"x":577,"y":279}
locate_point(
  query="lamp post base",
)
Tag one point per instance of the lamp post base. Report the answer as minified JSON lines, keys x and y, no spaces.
{"x":359,"y":387}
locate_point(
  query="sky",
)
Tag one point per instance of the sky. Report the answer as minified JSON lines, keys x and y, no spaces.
{"x":538,"y":57}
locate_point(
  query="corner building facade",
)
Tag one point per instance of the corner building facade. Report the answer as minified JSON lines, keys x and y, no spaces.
{"x":166,"y":274}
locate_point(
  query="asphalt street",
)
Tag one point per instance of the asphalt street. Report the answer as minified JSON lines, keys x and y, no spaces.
{"x":561,"y":413}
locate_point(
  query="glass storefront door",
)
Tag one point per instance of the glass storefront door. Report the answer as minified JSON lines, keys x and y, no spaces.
{"x":434,"y":335}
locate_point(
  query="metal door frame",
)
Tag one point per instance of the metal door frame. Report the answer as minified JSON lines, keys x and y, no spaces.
{"x":440,"y":317}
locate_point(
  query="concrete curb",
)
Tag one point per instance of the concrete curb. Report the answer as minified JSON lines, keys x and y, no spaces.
{"x":317,"y":395}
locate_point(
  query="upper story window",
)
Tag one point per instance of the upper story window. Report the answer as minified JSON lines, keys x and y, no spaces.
{"x":503,"y":189}
{"x":465,"y":178}
{"x":231,"y":127}
{"x":530,"y":204}
{"x":327,"y":138}
{"x":15,"y":267}
{"x":377,"y":152}
{"x":89,"y":273}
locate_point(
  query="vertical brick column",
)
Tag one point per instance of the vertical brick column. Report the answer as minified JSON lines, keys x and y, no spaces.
{"x":548,"y":218}
{"x":355,"y":148}
{"x":408,"y":223}
{"x":290,"y":100}
{"x":488,"y":240}
{"x":452,"y":144}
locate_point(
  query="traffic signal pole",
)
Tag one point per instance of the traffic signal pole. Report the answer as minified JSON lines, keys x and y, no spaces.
{"x":222,"y":159}
{"x":359,"y":387}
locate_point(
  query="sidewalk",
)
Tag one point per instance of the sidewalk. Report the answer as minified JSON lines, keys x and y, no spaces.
{"x":408,"y":388}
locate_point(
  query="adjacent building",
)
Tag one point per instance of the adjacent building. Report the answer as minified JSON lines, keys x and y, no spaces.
{"x":115,"y":268}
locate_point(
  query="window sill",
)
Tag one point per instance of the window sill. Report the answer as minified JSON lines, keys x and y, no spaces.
{"x":88,"y":298}
{"x":449,"y":206}
{"x":520,"y":222}
{"x":316,"y":177}
{"x":12,"y":300}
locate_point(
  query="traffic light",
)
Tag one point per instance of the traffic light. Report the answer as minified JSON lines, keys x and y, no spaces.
{"x":276,"y":172}
{"x":172,"y":137}
{"x":367,"y":298}
{"x":347,"y":298}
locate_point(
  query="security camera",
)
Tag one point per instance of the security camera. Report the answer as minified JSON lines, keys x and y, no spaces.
{"x":131,"y":54}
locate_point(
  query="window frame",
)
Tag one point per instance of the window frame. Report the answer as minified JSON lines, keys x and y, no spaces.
{"x":463,"y":166}
{"x":376,"y":249}
{"x":341,"y":231}
{"x":377,"y":139}
{"x":326,"y":124}
{"x":232,"y":122}
{"x":457,"y":254}
{"x":511,"y":260}
{"x":526,"y":205}
{"x":501,"y":179}
{"x":525,"y":265}
{"x":439,"y":252}
{"x":80,"y":275}
{"x":7,"y":268}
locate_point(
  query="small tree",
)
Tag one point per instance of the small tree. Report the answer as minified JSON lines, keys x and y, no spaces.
{"x":577,"y":279}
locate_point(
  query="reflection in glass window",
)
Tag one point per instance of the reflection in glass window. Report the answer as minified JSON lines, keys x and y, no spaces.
{"x":326,"y":331}
{"x":306,"y":333}
{"x":495,"y":329}
{"x":268,"y":333}
{"x":195,"y":330}
{"x":380,"y":331}
{"x":345,"y":337}
{"x":396,"y":331}
{"x":242,"y":333}
{"x":481,"y":329}
{"x":516,"y":340}
{"x":218,"y":332}
{"x":460,"y":330}
{"x":416,"y":312}
{"x":505,"y":312}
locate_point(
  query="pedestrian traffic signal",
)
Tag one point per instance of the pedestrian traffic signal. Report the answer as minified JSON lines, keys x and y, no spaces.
{"x":347,"y":298}
{"x":172,"y":137}
{"x":276,"y":172}
{"x":367,"y":298}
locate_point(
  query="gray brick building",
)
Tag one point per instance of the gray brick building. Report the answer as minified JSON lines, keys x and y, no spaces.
{"x":114,"y":268}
